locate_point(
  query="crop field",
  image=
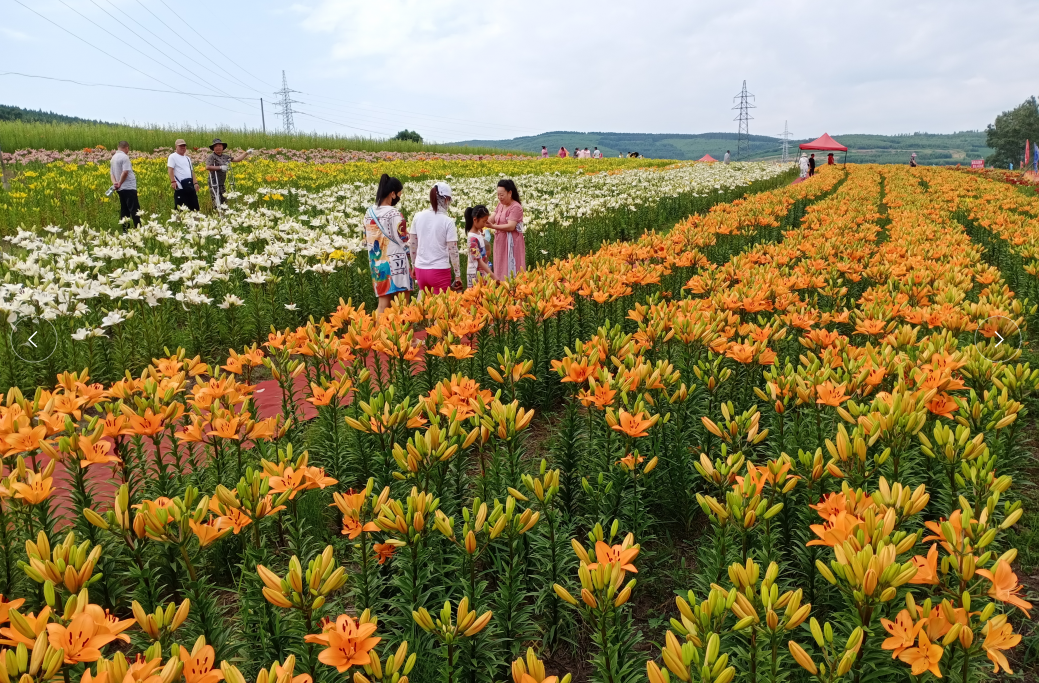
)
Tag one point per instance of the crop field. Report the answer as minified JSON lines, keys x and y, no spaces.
{"x":725,"y":428}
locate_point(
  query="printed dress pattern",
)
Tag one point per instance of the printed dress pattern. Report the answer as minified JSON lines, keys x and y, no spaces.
{"x":477,"y":251}
{"x":386,"y":233}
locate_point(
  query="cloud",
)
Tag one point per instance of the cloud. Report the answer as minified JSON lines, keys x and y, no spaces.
{"x":882,"y":66}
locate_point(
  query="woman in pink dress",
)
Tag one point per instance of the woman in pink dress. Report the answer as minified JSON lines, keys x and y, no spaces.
{"x":510,"y":249}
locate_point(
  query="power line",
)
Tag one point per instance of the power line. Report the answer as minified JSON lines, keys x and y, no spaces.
{"x":260,"y":80}
{"x":345,"y":125}
{"x":113,"y":57}
{"x":135,"y":49}
{"x":172,"y":31}
{"x":124,"y":87}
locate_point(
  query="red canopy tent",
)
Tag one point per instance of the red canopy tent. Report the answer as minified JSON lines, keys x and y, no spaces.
{"x":707,"y":157}
{"x":826,"y":144}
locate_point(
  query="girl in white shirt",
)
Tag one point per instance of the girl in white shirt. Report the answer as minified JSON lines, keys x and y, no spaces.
{"x":434,"y":242}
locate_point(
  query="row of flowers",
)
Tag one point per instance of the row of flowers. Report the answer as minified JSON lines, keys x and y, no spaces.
{"x":212,"y":281}
{"x":100,"y":155}
{"x":821,"y":400}
{"x":68,"y":193}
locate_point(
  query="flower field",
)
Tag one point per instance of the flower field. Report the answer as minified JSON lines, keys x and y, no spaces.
{"x":208,"y":282}
{"x":784,"y":440}
{"x":72,"y":193}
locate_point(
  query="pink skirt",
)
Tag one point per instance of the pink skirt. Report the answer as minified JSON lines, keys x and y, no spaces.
{"x":436,"y":280}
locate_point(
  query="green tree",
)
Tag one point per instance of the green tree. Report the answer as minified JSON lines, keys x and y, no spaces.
{"x":408,"y":136}
{"x":1008,"y":134}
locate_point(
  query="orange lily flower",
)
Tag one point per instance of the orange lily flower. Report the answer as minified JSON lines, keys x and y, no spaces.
{"x":617,"y":554}
{"x":903,"y":632}
{"x":999,"y":635}
{"x":7,"y":605}
{"x":837,"y":530}
{"x":347,"y":643}
{"x":81,"y":640}
{"x":634,"y":425}
{"x":1005,"y":587}
{"x":198,"y":666}
{"x":924,"y":657}
{"x":35,"y":490}
{"x":829,"y":395}
{"x":384,"y":551}
{"x":98,"y":453}
{"x":207,"y":532}
{"x":148,"y":424}
{"x":26,"y":439}
{"x":629,"y":461}
{"x":926,"y":567}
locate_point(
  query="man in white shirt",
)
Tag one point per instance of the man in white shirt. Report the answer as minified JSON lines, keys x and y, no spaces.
{"x":726,"y":159}
{"x":125,"y":183}
{"x":182,"y":177}
{"x":596,"y":154}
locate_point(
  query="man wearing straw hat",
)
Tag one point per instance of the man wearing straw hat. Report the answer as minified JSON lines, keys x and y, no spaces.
{"x":182,"y":177}
{"x":217,"y":164}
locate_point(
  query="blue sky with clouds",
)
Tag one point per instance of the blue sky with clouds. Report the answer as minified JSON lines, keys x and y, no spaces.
{"x":460,"y":69}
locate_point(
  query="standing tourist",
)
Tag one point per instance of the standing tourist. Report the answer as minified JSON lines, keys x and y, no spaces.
{"x":562,"y":152}
{"x":587,"y":154}
{"x":125,"y":183}
{"x":726,"y":159}
{"x":803,"y":163}
{"x":182,"y":177}
{"x":510,"y":248}
{"x":596,"y":154}
{"x":544,"y":152}
{"x":434,"y":241}
{"x":386,"y":233}
{"x":475,"y":222}
{"x":811,"y":164}
{"x":912,"y":161}
{"x":829,"y":159}
{"x":217,"y":164}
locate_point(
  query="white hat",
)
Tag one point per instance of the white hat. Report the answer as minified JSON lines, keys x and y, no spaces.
{"x":443,"y":189}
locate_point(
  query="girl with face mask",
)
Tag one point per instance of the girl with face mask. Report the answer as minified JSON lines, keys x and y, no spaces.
{"x":386,"y":232}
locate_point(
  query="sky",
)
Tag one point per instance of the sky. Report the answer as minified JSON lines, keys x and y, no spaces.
{"x":464,"y":69}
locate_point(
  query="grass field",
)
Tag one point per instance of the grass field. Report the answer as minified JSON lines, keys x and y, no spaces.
{"x":60,"y":136}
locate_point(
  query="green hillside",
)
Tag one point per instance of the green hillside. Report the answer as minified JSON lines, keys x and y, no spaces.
{"x":931,"y":148}
{"x":8,"y":113}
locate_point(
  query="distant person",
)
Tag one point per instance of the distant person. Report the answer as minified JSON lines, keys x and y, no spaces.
{"x":386,"y":235}
{"x":562,"y":152}
{"x":434,"y":242}
{"x":182,"y":177}
{"x":476,"y":218}
{"x":912,"y":160}
{"x":587,"y":154}
{"x":803,"y":163}
{"x":811,"y":164}
{"x":125,"y":183}
{"x":634,"y":155}
{"x":544,"y":152}
{"x":829,"y":159}
{"x":217,"y":164}
{"x":510,"y":248}
{"x":596,"y":154}
{"x":726,"y":159}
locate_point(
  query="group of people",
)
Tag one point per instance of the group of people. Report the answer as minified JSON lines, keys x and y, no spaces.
{"x":425,"y":257}
{"x":578,"y":153}
{"x":183,"y":181}
{"x":807,"y":163}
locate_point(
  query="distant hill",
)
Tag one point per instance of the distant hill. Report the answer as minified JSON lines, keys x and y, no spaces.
{"x":8,"y":113}
{"x":930,"y":148}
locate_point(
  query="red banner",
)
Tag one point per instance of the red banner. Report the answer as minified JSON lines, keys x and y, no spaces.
{"x":977,"y":163}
